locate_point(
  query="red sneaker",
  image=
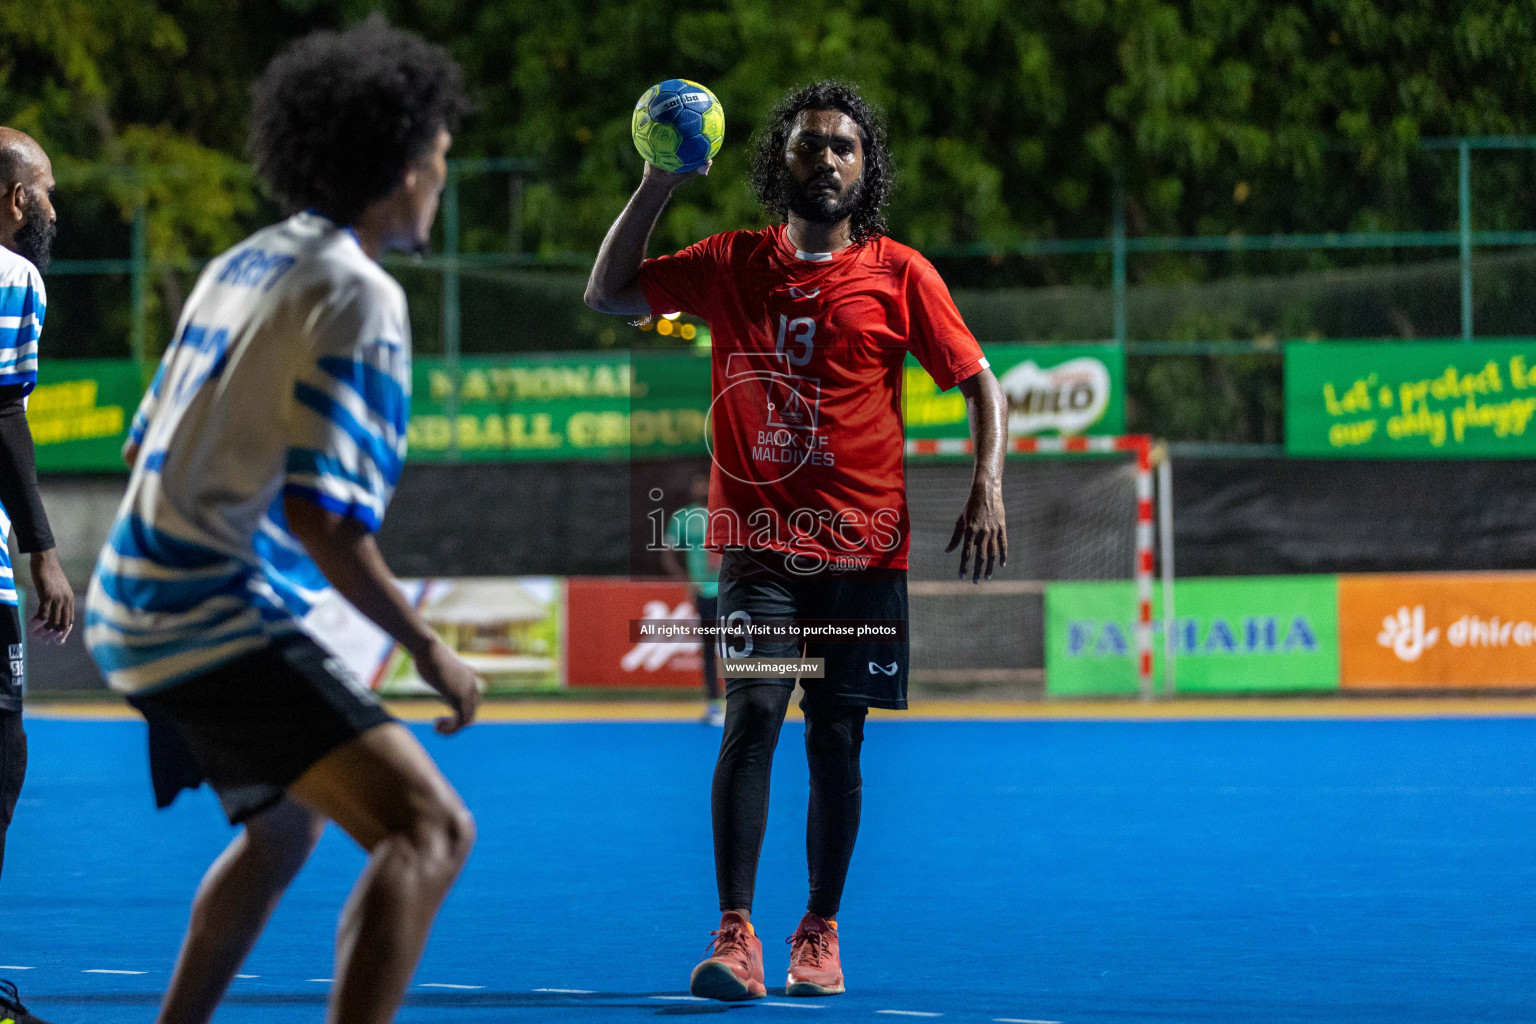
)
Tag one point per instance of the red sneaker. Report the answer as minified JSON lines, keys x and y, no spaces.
{"x":814,"y":967}
{"x":734,"y":968}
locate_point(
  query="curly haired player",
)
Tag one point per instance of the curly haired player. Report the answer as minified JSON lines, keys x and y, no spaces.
{"x":278,"y":416}
{"x":811,"y":321}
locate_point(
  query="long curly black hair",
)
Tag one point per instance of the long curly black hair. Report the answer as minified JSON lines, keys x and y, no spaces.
{"x":878,"y":181}
{"x":339,"y":116}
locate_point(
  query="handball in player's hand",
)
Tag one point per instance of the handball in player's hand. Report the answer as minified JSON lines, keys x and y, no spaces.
{"x":678,"y":125}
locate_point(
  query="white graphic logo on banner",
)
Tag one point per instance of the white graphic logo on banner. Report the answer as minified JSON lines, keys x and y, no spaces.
{"x":652,"y":655}
{"x":1405,"y":634}
{"x":1070,"y":397}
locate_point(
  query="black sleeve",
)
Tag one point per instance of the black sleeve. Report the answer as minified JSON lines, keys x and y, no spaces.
{"x":18,"y":475}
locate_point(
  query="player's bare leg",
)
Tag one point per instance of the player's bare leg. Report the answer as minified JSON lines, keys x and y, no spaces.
{"x":386,"y":792}
{"x":237,"y":896}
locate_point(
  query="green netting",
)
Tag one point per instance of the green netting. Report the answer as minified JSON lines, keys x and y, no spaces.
{"x":1415,"y":299}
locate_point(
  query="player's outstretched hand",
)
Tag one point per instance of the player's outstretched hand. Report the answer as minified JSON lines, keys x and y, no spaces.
{"x":981,"y":532}
{"x":443,"y":670}
{"x":55,"y":615}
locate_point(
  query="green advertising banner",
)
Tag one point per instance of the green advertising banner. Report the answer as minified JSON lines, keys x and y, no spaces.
{"x":80,"y":411}
{"x":1235,"y":635}
{"x":643,"y":404}
{"x":579,"y":406}
{"x":1411,"y":400}
{"x":1051,"y":389}
{"x":591,"y":405}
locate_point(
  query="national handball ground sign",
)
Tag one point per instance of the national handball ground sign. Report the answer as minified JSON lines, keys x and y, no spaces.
{"x":649,"y":404}
{"x":1411,"y":400}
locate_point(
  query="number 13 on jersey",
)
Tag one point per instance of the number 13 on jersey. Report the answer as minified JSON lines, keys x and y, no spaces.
{"x":800,"y":331}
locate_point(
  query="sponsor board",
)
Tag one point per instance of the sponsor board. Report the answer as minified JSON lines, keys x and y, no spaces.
{"x":509,"y":629}
{"x":1437,"y":631}
{"x":602,"y":650}
{"x":1439,"y":400}
{"x":596,"y":405}
{"x":1051,"y":389}
{"x":580,"y":406}
{"x":79,"y":413}
{"x":1248,"y":634}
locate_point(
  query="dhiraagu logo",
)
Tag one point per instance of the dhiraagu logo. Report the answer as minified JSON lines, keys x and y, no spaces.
{"x":1233,"y":635}
{"x":1405,"y":634}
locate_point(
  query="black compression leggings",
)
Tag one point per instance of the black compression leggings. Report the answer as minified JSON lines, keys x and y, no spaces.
{"x":13,"y":769}
{"x":833,"y":736}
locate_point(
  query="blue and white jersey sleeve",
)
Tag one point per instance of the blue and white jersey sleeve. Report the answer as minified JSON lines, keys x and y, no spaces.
{"x":147,"y":406}
{"x":351,"y":403}
{"x":23,"y":304}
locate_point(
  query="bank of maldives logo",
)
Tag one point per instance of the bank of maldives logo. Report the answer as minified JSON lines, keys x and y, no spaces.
{"x":1404,"y":633}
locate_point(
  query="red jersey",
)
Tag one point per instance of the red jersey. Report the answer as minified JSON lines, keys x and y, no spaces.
{"x":806,"y":429}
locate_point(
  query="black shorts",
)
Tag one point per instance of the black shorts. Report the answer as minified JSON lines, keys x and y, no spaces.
{"x":251,"y":726}
{"x":759,"y":586}
{"x":13,"y":680}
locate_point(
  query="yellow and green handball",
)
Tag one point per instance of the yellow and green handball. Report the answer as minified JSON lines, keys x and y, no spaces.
{"x":678,"y":125}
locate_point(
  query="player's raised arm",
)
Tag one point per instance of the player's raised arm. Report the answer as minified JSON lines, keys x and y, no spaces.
{"x":677,"y":126}
{"x":982,"y":529}
{"x":614,"y":286}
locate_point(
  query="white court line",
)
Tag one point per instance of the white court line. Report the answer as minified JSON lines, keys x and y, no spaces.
{"x":103,"y":970}
{"x":683,"y":999}
{"x":14,"y":967}
{"x":247,"y":975}
{"x":323,"y":981}
{"x":801,"y":1006}
{"x":444,"y":984}
{"x":568,"y":991}
{"x":910,"y":1013}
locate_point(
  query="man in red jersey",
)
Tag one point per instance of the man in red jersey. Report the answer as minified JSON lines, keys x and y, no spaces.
{"x":811,"y":321}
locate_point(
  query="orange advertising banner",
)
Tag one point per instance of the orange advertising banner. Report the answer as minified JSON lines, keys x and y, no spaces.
{"x":1437,"y":631}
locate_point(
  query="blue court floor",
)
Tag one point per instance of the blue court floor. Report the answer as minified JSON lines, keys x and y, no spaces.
{"x":1275,"y":871}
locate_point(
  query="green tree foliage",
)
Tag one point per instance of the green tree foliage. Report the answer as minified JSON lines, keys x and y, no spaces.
{"x":1009,"y":120}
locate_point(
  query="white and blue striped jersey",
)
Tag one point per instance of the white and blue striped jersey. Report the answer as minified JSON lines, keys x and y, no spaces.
{"x":23,"y":304}
{"x":289,"y":376}
{"x":7,"y":571}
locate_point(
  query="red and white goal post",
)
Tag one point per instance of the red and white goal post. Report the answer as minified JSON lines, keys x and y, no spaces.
{"x":1148,"y":459}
